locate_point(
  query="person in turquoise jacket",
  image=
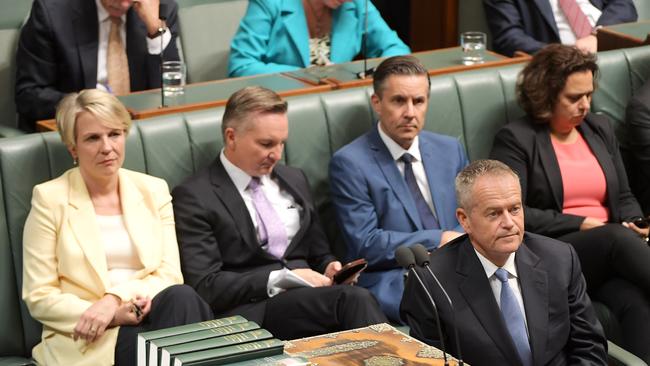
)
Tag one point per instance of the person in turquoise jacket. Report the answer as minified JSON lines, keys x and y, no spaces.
{"x":285,"y":35}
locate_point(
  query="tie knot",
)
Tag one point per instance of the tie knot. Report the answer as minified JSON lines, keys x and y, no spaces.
{"x":116,"y":20}
{"x":502,"y":275}
{"x":407,"y":158}
{"x":254,"y":183}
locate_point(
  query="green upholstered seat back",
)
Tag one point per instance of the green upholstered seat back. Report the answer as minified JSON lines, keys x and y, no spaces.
{"x":471,"y":18}
{"x":642,"y":9}
{"x":8,"y":44}
{"x":206,"y":30}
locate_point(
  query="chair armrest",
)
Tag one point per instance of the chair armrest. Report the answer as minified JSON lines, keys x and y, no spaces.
{"x":622,"y":356}
{"x":6,"y":131}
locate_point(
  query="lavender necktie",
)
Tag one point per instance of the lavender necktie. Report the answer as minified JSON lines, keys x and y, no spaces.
{"x":270,"y":226}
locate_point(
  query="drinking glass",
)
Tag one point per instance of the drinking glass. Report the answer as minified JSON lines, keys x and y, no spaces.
{"x":173,"y":78}
{"x":473,"y":45}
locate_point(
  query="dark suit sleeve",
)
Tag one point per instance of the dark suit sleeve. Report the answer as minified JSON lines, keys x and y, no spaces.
{"x":37,"y":72}
{"x":617,"y":11}
{"x":508,"y":31}
{"x":637,"y":141}
{"x":509,"y":149}
{"x":201,"y":259}
{"x":418,"y":312}
{"x":587,"y":344}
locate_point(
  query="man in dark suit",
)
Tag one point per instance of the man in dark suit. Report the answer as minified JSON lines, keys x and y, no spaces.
{"x":251,"y":242}
{"x":518,"y":298}
{"x":65,"y":47}
{"x":528,"y":25}
{"x":379,"y":204}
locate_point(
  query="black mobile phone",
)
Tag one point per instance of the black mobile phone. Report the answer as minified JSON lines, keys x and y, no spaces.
{"x":641,"y":222}
{"x":349,"y":270}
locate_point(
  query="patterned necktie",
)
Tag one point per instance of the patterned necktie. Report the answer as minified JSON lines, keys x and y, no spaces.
{"x":514,"y":318}
{"x":577,"y":19}
{"x":429,"y":221}
{"x":117,"y":64}
{"x":269,"y":225}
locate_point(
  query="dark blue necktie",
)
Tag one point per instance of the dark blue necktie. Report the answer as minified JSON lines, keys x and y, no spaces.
{"x":514,"y":318}
{"x":429,"y":221}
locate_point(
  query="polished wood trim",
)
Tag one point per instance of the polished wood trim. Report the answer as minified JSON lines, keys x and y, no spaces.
{"x":609,"y":39}
{"x":434,"y":24}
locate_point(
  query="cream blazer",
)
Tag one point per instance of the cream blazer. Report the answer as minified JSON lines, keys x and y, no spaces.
{"x":64,"y":264}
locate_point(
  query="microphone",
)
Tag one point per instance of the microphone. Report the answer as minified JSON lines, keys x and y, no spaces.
{"x":364,"y":47}
{"x":162,"y":15}
{"x":406,"y":259}
{"x":422,"y":258}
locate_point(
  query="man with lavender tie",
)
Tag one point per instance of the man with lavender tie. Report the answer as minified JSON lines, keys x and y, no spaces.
{"x":518,"y":298}
{"x":527,"y":25}
{"x":250,"y":240}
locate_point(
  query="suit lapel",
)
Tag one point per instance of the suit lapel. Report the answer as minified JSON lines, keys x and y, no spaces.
{"x":389,"y":168}
{"x":545,"y":9}
{"x":82,"y":220}
{"x":550,"y":164}
{"x":344,"y":26}
{"x":86,"y":35}
{"x":293,"y":16}
{"x":478,"y":294}
{"x":233,"y":202}
{"x":534,"y":290}
{"x":138,"y":222}
{"x":136,"y":32}
{"x":433,"y":165}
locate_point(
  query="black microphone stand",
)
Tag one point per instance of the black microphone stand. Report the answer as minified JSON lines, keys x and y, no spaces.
{"x":364,"y":48}
{"x":162,"y":15}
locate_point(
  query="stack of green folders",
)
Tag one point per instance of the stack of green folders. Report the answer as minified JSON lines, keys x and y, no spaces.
{"x":214,"y":342}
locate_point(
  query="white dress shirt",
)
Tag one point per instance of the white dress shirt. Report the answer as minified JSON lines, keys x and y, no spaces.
{"x":566,"y":33}
{"x":283,"y":203}
{"x":153,"y":45}
{"x":396,"y":151}
{"x":490,"y":268}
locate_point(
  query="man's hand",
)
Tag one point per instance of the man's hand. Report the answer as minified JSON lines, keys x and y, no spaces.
{"x":588,"y":44}
{"x":590,"y":223}
{"x":132,"y":312}
{"x":94,"y":321}
{"x":332,"y":268}
{"x":148,"y":12}
{"x":313,"y":277}
{"x":448,"y":236}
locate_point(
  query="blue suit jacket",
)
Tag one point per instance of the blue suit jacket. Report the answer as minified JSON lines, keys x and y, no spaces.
{"x":273,"y":37}
{"x":377,"y":214}
{"x":528,"y":25}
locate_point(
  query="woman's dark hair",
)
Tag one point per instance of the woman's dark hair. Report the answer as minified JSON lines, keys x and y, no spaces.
{"x":539,"y":84}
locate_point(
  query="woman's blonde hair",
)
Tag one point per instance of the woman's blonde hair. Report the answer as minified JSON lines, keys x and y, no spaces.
{"x":104,"y":106}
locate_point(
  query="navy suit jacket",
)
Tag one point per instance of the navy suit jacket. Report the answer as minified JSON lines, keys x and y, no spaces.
{"x":376,"y":212}
{"x":528,"y":25}
{"x":57,"y":54}
{"x":562,"y":325}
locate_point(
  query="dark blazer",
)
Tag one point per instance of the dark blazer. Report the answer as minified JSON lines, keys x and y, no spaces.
{"x":562,"y":325}
{"x":57,"y":54}
{"x":526,"y":147}
{"x":528,"y":25}
{"x":220,"y":254}
{"x":637,"y":144}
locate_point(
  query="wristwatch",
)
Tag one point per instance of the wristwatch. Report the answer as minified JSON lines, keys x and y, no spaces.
{"x":158,"y":32}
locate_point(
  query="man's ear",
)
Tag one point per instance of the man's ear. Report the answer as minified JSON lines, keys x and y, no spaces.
{"x":463,"y":220}
{"x":229,"y":137}
{"x":375,"y":101}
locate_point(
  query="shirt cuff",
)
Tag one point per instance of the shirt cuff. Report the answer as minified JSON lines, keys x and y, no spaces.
{"x":153,"y":45}
{"x":274,"y":278}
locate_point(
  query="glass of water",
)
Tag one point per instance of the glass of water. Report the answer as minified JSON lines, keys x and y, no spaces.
{"x":173,"y":78}
{"x":473,"y":46}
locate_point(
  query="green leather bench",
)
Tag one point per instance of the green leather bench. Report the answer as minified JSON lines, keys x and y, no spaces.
{"x":468,"y":105}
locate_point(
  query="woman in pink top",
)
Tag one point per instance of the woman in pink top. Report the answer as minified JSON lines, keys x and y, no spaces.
{"x":575,"y":187}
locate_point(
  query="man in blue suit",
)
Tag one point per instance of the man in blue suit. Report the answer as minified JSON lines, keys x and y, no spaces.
{"x":395,"y":184}
{"x":528,"y":25}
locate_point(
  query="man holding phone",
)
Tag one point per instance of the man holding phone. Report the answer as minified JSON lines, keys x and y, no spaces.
{"x":70,"y":45}
{"x":250,"y":240}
